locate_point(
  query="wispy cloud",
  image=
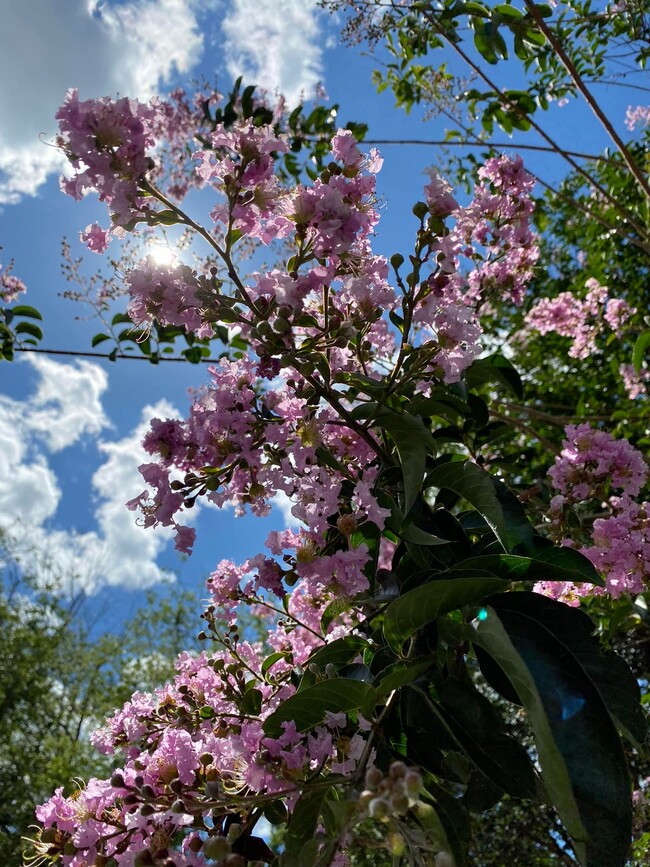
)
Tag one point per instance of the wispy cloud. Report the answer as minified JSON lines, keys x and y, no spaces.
{"x":275,"y":44}
{"x":102,"y":48}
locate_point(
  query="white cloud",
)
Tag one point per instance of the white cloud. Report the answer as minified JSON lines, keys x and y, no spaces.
{"x":102,"y":48}
{"x":67,"y":403}
{"x":131,"y":550}
{"x":275,"y":44}
{"x":67,"y":406}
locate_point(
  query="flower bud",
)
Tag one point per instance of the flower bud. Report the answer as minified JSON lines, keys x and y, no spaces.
{"x":117,"y":781}
{"x":216,"y":848}
{"x":396,"y":844}
{"x":234,"y":832}
{"x":373,"y":777}
{"x":413,"y":784}
{"x":178,"y":807}
{"x":397,"y":770}
{"x":379,"y":809}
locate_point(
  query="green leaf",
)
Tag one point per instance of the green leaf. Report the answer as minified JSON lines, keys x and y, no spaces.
{"x":308,"y":707}
{"x":639,"y":351}
{"x":270,"y":660}
{"x":478,"y":728}
{"x":26,"y":310}
{"x":302,"y":825}
{"x":413,"y":441}
{"x":491,"y":498}
{"x":617,"y":685}
{"x":121,"y":318}
{"x":418,"y":607}
{"x":29,"y":328}
{"x":396,"y":676}
{"x":580,"y":753}
{"x":339,"y":652}
{"x":99,"y":338}
{"x":495,"y":368}
{"x":551,"y":564}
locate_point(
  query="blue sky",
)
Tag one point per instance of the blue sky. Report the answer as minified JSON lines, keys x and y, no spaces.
{"x":69,"y":430}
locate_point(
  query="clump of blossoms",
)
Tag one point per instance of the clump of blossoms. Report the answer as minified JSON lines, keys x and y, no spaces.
{"x":10,"y":286}
{"x":204,"y":755}
{"x":583,"y":320}
{"x":596,"y":473}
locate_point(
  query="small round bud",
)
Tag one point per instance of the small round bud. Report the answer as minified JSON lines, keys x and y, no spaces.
{"x":117,"y":781}
{"x":373,"y":777}
{"x":143,"y":858}
{"x":364,"y":800}
{"x":139,"y":781}
{"x":235,"y":861}
{"x":379,"y":809}
{"x":397,"y":770}
{"x":234,"y":832}
{"x":413,"y":784}
{"x":176,"y":786}
{"x":346,"y":524}
{"x":444,"y":859}
{"x":205,"y":758}
{"x":396,"y":844}
{"x":399,"y":803}
{"x":216,"y":848}
{"x":281,"y":325}
{"x":178,"y":807}
{"x":147,"y":810}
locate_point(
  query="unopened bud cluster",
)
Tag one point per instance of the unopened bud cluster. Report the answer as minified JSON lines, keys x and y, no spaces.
{"x":392,"y":794}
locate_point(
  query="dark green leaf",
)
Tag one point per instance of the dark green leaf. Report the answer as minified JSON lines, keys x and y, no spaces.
{"x":420,"y":606}
{"x":26,"y":310}
{"x":495,"y":368}
{"x":498,"y":505}
{"x":99,"y":338}
{"x":580,"y":753}
{"x":302,"y":825}
{"x":29,"y":328}
{"x":413,"y":441}
{"x":552,"y":564}
{"x":610,"y":674}
{"x":308,"y":707}
{"x":640,"y":348}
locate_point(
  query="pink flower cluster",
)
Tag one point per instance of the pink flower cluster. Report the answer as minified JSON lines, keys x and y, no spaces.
{"x":254,"y":445}
{"x":255,"y":199}
{"x":635,"y":382}
{"x":637,"y":115}
{"x":580,"y":319}
{"x":10,"y":286}
{"x":591,"y":467}
{"x":191,"y":749}
{"x":168,"y":294}
{"x":494,"y":235}
{"x":592,"y":463}
{"x":107,"y":143}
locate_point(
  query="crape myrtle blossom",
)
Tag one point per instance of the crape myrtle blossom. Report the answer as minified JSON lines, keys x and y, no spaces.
{"x":596,"y":470}
{"x":108,"y":143}
{"x":583,"y":320}
{"x":10,"y":286}
{"x":637,"y":116}
{"x":198,"y":755}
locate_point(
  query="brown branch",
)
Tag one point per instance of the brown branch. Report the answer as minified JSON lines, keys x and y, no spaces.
{"x":586,"y":93}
